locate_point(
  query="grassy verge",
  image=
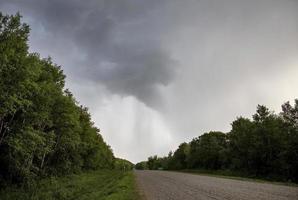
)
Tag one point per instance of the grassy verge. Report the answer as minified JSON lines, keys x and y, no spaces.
{"x":102,"y":184}
{"x":236,"y":176}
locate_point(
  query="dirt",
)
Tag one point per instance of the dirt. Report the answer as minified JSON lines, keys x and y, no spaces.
{"x":165,"y":185}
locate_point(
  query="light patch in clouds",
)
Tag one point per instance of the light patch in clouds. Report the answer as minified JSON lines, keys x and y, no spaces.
{"x":132,"y":118}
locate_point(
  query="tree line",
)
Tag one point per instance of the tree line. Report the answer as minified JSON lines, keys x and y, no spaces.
{"x":43,"y":129}
{"x":265,"y":146}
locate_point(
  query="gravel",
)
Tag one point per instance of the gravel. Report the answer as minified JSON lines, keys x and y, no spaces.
{"x":164,"y":185}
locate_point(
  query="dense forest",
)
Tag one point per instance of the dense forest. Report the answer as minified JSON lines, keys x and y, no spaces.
{"x":43,"y":129}
{"x":264,"y":147}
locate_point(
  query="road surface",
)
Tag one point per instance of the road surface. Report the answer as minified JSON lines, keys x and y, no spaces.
{"x":164,"y":185}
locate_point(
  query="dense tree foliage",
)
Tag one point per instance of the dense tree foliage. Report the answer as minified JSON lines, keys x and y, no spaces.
{"x":43,"y":130}
{"x":141,"y":165}
{"x":179,"y":159}
{"x":266,"y":146}
{"x":207,"y":151}
{"x":122,"y":164}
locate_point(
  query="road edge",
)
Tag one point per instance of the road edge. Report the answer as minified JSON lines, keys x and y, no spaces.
{"x":238,"y":178}
{"x":140,"y":192}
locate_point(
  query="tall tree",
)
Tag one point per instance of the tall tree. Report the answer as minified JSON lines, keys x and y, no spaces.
{"x":43,"y":130}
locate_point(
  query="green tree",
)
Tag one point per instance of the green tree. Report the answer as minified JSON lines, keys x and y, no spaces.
{"x":43,"y":130}
{"x":257,"y":146}
{"x":289,"y":115}
{"x":208,"y":151}
{"x":142,"y":165}
{"x":123,"y":165}
{"x":179,"y":158}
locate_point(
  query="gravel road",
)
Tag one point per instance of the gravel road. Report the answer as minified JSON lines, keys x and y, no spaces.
{"x":164,"y":185}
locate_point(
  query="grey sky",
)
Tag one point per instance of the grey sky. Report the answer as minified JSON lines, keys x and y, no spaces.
{"x":157,"y":73}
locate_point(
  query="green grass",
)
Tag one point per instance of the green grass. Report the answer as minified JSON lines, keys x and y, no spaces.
{"x":99,"y":185}
{"x":236,"y":176}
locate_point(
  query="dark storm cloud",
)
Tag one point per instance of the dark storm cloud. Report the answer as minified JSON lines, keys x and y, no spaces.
{"x":117,"y":41}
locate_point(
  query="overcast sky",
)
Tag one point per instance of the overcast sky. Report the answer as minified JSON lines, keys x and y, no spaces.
{"x":155,"y":73}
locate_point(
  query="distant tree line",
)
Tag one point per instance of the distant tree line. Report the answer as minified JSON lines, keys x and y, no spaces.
{"x":123,"y":165}
{"x":266,"y":146}
{"x":43,"y":130}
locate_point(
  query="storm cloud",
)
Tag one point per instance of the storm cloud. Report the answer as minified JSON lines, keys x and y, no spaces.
{"x":115,"y":43}
{"x":156,"y":73}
